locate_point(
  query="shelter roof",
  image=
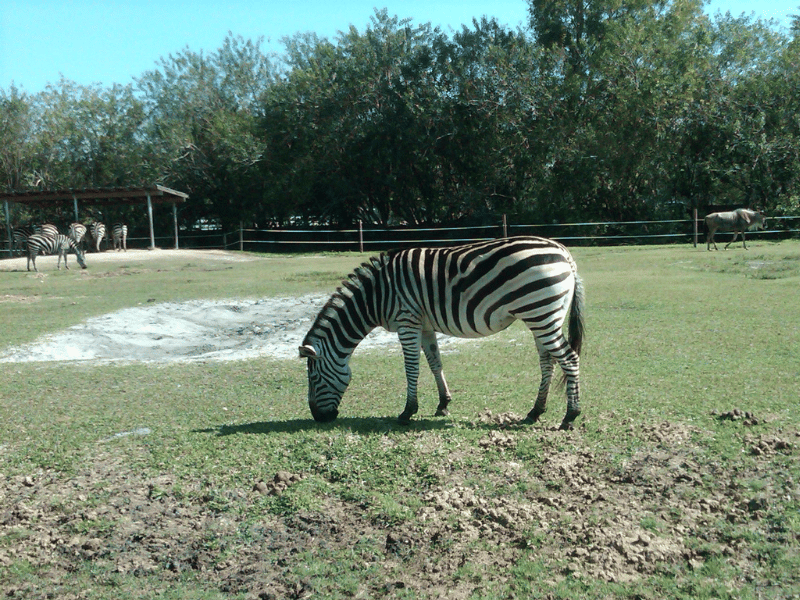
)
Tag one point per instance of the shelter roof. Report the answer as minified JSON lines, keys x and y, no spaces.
{"x":98,"y":196}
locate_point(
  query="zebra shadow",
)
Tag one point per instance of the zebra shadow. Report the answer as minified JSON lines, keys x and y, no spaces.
{"x":365,"y":425}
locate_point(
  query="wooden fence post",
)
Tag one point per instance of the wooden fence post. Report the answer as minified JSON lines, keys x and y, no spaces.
{"x":241,"y":237}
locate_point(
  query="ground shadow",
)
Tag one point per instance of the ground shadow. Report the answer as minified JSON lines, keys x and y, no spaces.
{"x":368,"y":425}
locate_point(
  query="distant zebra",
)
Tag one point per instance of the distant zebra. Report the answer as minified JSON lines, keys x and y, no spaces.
{"x":466,"y":291}
{"x":119,"y":233}
{"x":19,"y":238}
{"x":47,"y":230}
{"x":98,"y":232}
{"x":77,"y":231}
{"x":61,"y":244}
{"x":738,"y":221}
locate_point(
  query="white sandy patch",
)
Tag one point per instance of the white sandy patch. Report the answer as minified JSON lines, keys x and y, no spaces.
{"x":198,"y":330}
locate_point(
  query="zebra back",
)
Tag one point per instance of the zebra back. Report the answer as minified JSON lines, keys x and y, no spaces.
{"x":77,"y":231}
{"x":119,"y":234}
{"x":98,"y":232}
{"x":49,"y":230}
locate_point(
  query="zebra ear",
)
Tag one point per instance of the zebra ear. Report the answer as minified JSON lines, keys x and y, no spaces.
{"x":308,"y":352}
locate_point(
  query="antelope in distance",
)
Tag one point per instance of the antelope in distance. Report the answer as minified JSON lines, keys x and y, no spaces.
{"x":737,"y":221}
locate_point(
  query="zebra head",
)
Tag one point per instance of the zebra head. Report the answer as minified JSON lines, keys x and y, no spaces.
{"x":78,"y":254}
{"x":81,"y":261}
{"x":327,"y":381}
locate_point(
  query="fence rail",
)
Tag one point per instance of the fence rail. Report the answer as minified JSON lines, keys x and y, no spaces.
{"x":314,"y":239}
{"x":590,"y":233}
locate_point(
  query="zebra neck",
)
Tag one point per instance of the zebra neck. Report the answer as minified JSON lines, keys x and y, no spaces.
{"x":344,"y":322}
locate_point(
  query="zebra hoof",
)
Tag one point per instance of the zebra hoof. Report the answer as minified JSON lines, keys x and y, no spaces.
{"x":404,"y":419}
{"x":442,"y":412}
{"x":566,"y":424}
{"x":534,"y":415}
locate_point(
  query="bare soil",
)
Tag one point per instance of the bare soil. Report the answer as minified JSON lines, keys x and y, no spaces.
{"x":591,"y":518}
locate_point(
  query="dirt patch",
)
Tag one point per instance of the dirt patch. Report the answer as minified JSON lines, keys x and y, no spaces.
{"x":198,"y":330}
{"x":584,"y":515}
{"x":18,"y":298}
{"x":48,"y":263}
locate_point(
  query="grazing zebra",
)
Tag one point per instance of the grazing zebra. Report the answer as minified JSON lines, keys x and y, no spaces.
{"x":737,"y":221}
{"x":77,"y":231}
{"x":61,"y":244}
{"x":98,"y":232}
{"x":119,"y":233}
{"x":465,"y":291}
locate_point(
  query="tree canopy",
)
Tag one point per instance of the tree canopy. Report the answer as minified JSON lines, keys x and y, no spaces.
{"x":600,"y":109}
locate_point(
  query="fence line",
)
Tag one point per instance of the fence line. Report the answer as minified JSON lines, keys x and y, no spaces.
{"x":378,"y":238}
{"x":382,"y":237}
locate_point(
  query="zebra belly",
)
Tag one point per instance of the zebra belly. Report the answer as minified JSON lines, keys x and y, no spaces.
{"x":496,"y":325}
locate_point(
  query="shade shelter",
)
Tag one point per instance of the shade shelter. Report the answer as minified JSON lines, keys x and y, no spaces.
{"x":156,"y":194}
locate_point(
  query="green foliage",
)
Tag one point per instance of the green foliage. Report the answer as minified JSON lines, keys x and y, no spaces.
{"x":601,"y":110}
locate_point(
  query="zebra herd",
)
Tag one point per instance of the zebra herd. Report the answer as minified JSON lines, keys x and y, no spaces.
{"x":46,"y":239}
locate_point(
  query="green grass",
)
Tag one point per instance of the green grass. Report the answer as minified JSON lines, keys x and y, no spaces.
{"x":472,"y":506}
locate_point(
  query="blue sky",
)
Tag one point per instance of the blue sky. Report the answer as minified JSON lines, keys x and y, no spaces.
{"x":113,"y":41}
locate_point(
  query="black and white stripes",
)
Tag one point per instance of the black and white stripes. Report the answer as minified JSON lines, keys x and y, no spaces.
{"x":61,"y":244}
{"x":77,"y":231}
{"x":19,"y":238}
{"x":466,"y":291}
{"x":98,"y":232}
{"x":119,"y":234}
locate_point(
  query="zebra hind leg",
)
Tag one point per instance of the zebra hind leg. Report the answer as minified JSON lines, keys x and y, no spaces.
{"x":570,"y":365}
{"x":569,"y":362}
{"x":431,"y":348}
{"x":546,"y":364}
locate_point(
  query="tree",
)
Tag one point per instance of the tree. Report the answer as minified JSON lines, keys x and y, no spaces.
{"x":16,"y":138}
{"x":200,"y":117}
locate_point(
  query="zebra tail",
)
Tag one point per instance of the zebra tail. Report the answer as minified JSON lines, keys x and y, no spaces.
{"x":577,"y":325}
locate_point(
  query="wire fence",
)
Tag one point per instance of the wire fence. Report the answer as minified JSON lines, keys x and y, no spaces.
{"x":369,"y":238}
{"x":574,"y":234}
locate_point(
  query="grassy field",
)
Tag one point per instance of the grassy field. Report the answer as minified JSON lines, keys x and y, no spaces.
{"x":210,"y":480}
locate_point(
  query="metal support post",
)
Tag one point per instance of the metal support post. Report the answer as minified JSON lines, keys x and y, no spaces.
{"x":150,"y":218}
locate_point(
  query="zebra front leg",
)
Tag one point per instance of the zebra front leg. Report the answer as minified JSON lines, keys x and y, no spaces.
{"x":431,"y":348}
{"x":410,"y":340}
{"x":66,"y":266}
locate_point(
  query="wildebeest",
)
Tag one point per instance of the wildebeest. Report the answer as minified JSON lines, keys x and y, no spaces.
{"x":737,"y":221}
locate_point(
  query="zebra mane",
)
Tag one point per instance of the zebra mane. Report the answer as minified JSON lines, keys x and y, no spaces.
{"x":367,"y":271}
